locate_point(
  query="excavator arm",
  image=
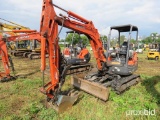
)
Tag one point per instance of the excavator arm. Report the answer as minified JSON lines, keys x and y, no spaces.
{"x":4,"y":58}
{"x":30,"y":36}
{"x":12,"y":25}
{"x":49,"y":30}
{"x":50,"y":21}
{"x":9,"y":28}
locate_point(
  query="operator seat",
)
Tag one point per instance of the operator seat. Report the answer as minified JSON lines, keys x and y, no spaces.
{"x":123,"y":49}
{"x":123,"y":52}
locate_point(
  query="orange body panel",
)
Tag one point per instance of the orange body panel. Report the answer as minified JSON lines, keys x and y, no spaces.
{"x":49,"y":29}
{"x":66,"y":51}
{"x":29,"y":36}
{"x":4,"y":56}
{"x":83,"y":53}
{"x":133,"y":60}
{"x":23,"y":31}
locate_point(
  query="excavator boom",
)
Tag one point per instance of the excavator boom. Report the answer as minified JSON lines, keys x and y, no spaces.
{"x":58,"y":68}
{"x":14,"y":26}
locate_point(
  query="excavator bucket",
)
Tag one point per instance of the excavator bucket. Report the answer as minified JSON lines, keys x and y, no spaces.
{"x":93,"y":88}
{"x":64,"y":102}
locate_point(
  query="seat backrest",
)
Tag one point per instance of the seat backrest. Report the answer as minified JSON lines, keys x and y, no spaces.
{"x":123,"y":48}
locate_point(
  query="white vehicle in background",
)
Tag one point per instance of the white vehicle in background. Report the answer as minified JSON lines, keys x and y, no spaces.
{"x":139,"y":51}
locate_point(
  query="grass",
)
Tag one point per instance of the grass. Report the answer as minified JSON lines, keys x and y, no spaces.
{"x":21,"y":99}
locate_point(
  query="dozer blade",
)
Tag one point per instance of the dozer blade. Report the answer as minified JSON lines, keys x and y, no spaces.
{"x":93,"y":88}
{"x":64,"y":102}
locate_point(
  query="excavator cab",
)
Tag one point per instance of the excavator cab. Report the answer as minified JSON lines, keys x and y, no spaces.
{"x":123,"y":59}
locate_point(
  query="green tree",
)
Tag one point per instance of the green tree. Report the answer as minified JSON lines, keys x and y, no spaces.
{"x":85,"y":39}
{"x":152,"y":39}
{"x":133,"y":41}
{"x":147,"y":40}
{"x":103,"y":38}
{"x":122,"y":38}
{"x":77,"y":38}
{"x":155,"y":37}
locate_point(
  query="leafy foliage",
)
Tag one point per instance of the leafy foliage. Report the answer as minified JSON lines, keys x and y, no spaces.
{"x":103,"y":38}
{"x":76,"y":38}
{"x":154,"y":37}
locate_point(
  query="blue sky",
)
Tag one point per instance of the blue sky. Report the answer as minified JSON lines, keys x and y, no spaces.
{"x":104,"y":13}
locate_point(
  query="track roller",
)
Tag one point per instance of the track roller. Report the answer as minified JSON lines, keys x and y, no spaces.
{"x":26,"y":54}
{"x":120,"y":84}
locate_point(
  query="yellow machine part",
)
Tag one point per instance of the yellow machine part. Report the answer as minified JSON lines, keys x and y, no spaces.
{"x":153,"y":55}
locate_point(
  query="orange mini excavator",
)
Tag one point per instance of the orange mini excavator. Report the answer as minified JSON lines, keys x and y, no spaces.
{"x":6,"y":76}
{"x":59,"y":67}
{"x":76,"y":54}
{"x":96,"y":82}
